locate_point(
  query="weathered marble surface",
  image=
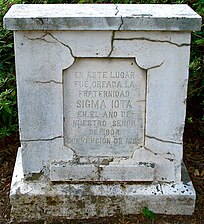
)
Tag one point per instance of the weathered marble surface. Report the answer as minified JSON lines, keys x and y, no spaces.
{"x":45,"y":201}
{"x":104,"y":106}
{"x":102,"y":173}
{"x":67,"y":57}
{"x":102,"y":17}
{"x":46,"y":64}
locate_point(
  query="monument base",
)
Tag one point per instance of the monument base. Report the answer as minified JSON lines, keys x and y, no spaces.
{"x":40,"y":199}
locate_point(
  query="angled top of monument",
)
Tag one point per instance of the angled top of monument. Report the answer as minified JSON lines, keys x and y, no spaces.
{"x":102,"y":17}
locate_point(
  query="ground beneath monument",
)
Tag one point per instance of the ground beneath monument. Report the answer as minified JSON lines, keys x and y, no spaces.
{"x":193,"y":158}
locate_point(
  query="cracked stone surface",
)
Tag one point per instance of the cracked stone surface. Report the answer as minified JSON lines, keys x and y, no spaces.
{"x":102,"y":17}
{"x":62,"y":44}
{"x":77,"y":79}
{"x":151,"y":40}
{"x":35,"y":140}
{"x":162,"y":140}
{"x":89,"y":200}
{"x":101,"y":98}
{"x":153,"y":36}
{"x":47,"y":82}
{"x":112,"y":172}
{"x":117,"y":10}
{"x":43,"y":77}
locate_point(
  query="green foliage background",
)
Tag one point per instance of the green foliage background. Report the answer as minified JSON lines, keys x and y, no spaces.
{"x":8,"y":101}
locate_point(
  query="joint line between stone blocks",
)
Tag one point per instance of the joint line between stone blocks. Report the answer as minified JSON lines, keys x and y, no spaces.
{"x":145,"y":113}
{"x":40,"y":38}
{"x":151,"y":40}
{"x":162,"y":140}
{"x":121,"y":23}
{"x":112,"y":40}
{"x":156,"y":66}
{"x":37,"y":140}
{"x":47,"y":82}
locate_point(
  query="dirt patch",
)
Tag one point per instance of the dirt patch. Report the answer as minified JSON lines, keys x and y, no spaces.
{"x":193,"y":158}
{"x":8,"y":150}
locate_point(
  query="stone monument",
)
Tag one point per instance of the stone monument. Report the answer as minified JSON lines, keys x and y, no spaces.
{"x":101,"y":102}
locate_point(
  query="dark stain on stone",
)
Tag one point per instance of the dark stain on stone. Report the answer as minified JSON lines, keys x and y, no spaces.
{"x":80,"y":204}
{"x":184,"y":175}
{"x":171,"y":160}
{"x":123,"y":186}
{"x":52,"y":201}
{"x":157,"y":187}
{"x":152,"y":165}
{"x":34,"y":176}
{"x":106,"y":161}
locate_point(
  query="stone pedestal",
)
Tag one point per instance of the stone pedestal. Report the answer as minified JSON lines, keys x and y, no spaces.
{"x":101,"y":101}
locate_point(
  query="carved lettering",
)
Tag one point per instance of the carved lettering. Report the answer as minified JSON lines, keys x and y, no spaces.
{"x":104,"y":106}
{"x":91,"y":104}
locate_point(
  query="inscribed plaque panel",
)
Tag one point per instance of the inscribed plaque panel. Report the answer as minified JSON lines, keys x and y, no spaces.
{"x":104,"y":106}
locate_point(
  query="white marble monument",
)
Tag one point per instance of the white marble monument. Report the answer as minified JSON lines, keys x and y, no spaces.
{"x":101,"y":101}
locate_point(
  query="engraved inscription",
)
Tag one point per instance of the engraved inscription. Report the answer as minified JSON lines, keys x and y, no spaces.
{"x":104,"y":106}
